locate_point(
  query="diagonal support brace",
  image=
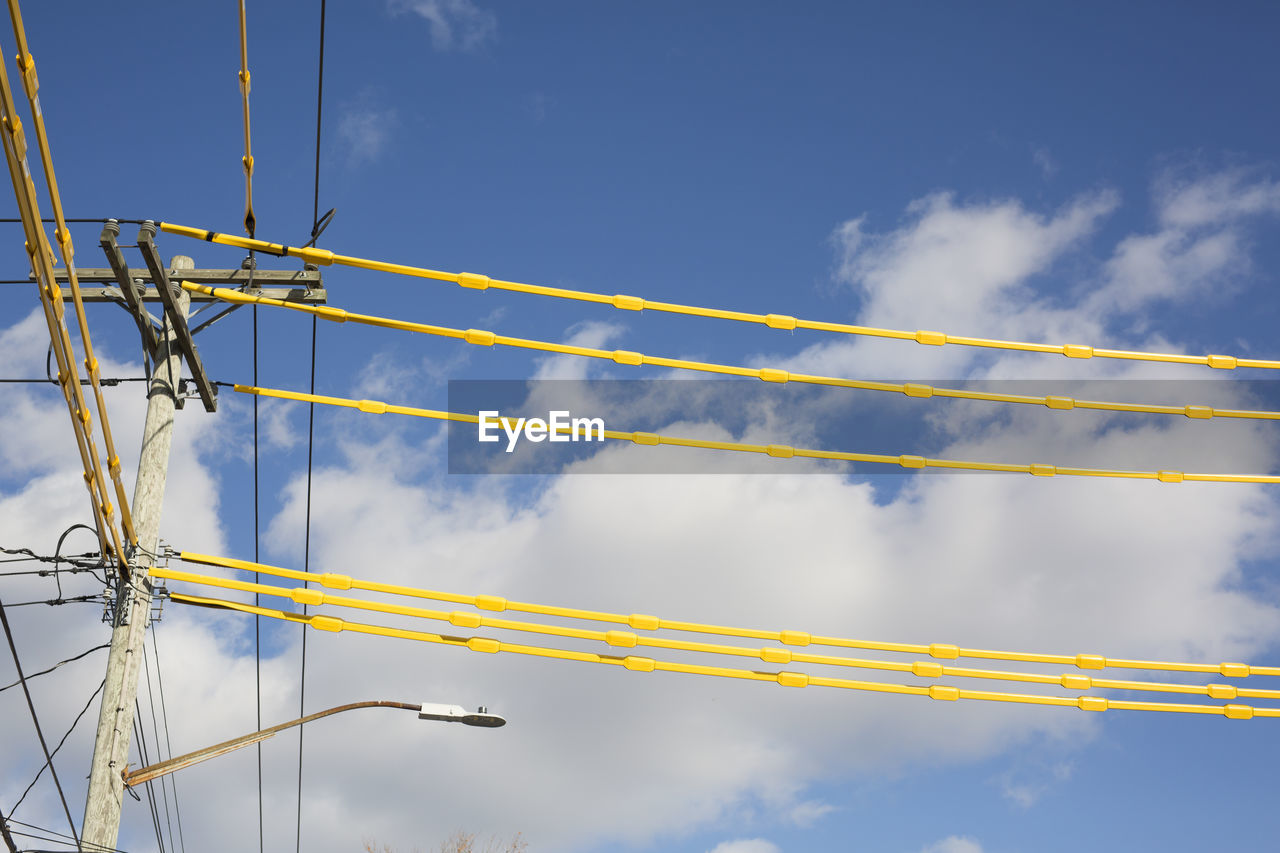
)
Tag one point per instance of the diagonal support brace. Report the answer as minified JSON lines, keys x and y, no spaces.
{"x":160,"y":276}
{"x":115,"y":259}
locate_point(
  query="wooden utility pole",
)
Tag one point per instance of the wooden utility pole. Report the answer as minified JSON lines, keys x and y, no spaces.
{"x":133,"y":599}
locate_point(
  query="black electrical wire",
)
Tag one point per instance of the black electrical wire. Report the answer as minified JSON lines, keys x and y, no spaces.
{"x":56,"y":665}
{"x":4,"y":833}
{"x":306,"y":567}
{"x":311,"y":415}
{"x":58,"y":836}
{"x":172,"y":777}
{"x":140,"y":738}
{"x":60,"y":743}
{"x":108,"y":382}
{"x":54,"y":602}
{"x":13,"y":649}
{"x":57,"y":549}
{"x":155,"y":731}
{"x":257,"y":620}
{"x":103,"y":219}
{"x":315,"y":212}
{"x":57,"y":558}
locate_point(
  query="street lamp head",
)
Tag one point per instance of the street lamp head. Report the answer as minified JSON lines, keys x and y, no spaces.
{"x":483,"y":718}
{"x":456,"y":714}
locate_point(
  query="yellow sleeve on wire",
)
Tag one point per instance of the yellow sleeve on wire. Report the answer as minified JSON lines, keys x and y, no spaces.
{"x":250,"y":221}
{"x":627,"y":639}
{"x":774,"y":321}
{"x":646,"y":622}
{"x":784,"y":678}
{"x":787,"y":452}
{"x":481,"y":337}
{"x":42,"y":259}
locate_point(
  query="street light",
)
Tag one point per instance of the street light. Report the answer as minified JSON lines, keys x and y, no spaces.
{"x":426,"y":711}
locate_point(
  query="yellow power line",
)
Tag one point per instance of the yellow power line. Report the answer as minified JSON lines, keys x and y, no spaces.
{"x":623,"y":302}
{"x":250,"y":223}
{"x":784,"y":451}
{"x":480,"y":337}
{"x":941,"y":692}
{"x":646,"y":622}
{"x":628,"y":639}
{"x":41,"y":257}
{"x":30,"y":83}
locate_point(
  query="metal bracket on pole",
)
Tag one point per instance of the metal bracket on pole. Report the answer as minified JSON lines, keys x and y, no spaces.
{"x":178,"y":322}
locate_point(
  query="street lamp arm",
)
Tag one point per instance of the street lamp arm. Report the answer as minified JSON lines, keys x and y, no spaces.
{"x":146,"y":774}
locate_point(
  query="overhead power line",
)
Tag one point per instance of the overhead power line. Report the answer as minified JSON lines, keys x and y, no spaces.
{"x":250,"y":223}
{"x":42,"y":260}
{"x":786,"y":451}
{"x":481,"y":337}
{"x":98,"y":220}
{"x":35,"y":719}
{"x":316,"y":228}
{"x":63,"y":740}
{"x":647,"y":622}
{"x":622,"y":302}
{"x":630,"y":639}
{"x":56,"y":665}
{"x":785,"y":678}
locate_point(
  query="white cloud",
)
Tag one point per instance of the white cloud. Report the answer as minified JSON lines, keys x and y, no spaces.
{"x":365,"y":131}
{"x":953,"y":267}
{"x":1201,"y":245}
{"x":954,"y":844}
{"x":594,"y":335}
{"x":808,"y":813}
{"x":746,"y":845}
{"x":1027,"y":786}
{"x":1045,"y":162}
{"x":454,"y":24}
{"x":625,"y":758}
{"x":47,"y":497}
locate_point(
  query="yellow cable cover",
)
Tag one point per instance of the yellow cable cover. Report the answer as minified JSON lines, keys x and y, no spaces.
{"x":27,"y":67}
{"x":939,"y":692}
{"x":646,"y":622}
{"x":480,"y":337}
{"x":628,"y":639}
{"x":784,"y":451}
{"x":250,"y":223}
{"x":774,"y":321}
{"x":41,"y":257}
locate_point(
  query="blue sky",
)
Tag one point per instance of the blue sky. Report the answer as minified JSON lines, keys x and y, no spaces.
{"x":1094,"y":174}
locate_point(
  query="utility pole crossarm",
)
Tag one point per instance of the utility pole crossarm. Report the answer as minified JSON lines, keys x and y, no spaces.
{"x":177,"y":318}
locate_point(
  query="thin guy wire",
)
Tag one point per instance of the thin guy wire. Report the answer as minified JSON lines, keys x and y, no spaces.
{"x":306,"y":562}
{"x":155,"y":731}
{"x":53,"y":771}
{"x":257,"y":648}
{"x":311,"y":414}
{"x":57,"y":836}
{"x":140,"y":738}
{"x":173,"y":782}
